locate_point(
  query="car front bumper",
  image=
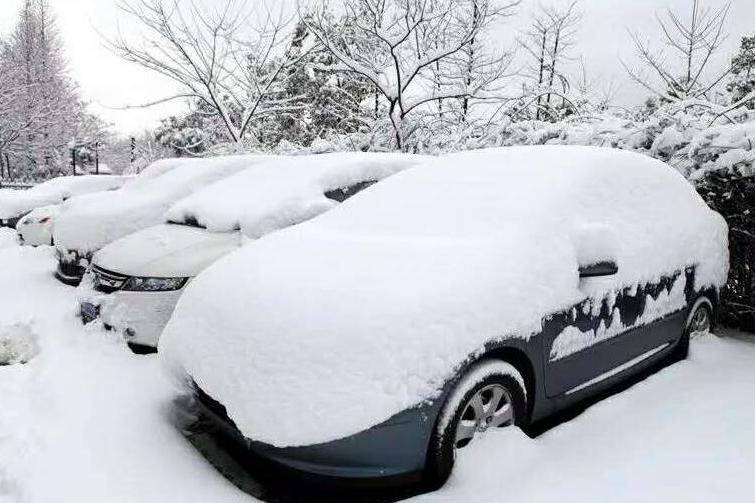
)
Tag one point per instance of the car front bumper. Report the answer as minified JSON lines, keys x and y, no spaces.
{"x":396,"y":448}
{"x":140,"y":316}
{"x":35,"y":234}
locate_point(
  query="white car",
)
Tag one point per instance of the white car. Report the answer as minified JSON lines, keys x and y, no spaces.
{"x":90,"y":222}
{"x":136,"y":281}
{"x":14,"y":204}
{"x":35,"y":228}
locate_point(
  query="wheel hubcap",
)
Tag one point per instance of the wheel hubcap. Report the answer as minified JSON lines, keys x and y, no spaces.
{"x":700,"y":322}
{"x":490,"y":407}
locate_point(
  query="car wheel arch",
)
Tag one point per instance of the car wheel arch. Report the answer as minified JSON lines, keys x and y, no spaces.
{"x":516,"y":357}
{"x":705,"y":298}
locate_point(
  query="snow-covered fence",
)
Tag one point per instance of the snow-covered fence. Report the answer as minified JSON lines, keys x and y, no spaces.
{"x":4,"y":184}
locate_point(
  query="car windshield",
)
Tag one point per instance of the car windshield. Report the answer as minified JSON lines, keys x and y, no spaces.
{"x":343,"y":193}
{"x":188,"y":221}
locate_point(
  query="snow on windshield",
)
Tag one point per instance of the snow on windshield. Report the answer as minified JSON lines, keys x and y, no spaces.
{"x":283,"y":192}
{"x":370,"y":308}
{"x":90,"y":222}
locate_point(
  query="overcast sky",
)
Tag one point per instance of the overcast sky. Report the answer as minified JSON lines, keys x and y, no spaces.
{"x":109,"y":83}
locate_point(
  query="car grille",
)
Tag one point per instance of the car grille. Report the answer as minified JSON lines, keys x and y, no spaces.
{"x":71,"y":269}
{"x":107,"y":281}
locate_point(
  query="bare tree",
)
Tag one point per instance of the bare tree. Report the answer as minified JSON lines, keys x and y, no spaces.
{"x":548,"y":42}
{"x":412,"y":51}
{"x":234,"y":62}
{"x":678,"y":72}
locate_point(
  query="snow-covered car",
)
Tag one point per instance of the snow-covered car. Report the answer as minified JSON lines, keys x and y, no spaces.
{"x":14,"y":204}
{"x":480,"y":290}
{"x":35,"y":228}
{"x":137,"y":280}
{"x":90,"y":222}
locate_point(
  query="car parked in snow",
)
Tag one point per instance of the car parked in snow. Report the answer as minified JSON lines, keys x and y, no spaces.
{"x":481,"y":290}
{"x":88,"y":223}
{"x":35,"y":229}
{"x":136,"y":280}
{"x":14,"y":204}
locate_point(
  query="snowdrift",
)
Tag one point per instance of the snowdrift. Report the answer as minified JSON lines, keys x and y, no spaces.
{"x":367,"y":310}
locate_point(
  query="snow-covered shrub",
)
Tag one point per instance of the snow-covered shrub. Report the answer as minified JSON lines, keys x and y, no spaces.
{"x":732,"y":194}
{"x":18,"y":344}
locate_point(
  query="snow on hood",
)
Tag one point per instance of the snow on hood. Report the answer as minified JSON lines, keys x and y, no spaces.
{"x":284,"y":192}
{"x":167,"y":250}
{"x":14,"y":203}
{"x":90,"y":222}
{"x":369,"y":309}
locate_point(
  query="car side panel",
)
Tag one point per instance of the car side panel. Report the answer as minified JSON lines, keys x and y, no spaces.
{"x":626,"y":335}
{"x":572,"y":371}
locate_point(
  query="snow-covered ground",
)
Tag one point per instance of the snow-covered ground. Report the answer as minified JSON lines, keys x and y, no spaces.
{"x":87,"y":421}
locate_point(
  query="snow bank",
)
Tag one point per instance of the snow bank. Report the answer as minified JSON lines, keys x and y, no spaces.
{"x":283,"y":192}
{"x":86,"y":420}
{"x":639,"y":445}
{"x":90,"y":222}
{"x":14,"y":203}
{"x":8,"y":237}
{"x":367,"y":310}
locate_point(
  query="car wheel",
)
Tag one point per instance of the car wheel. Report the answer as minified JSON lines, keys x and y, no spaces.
{"x":490,"y":395}
{"x":699,"y":322}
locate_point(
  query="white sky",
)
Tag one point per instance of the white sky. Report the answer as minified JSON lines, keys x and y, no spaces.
{"x":107,"y":82}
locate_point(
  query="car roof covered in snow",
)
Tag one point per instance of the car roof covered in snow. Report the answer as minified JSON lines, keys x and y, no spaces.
{"x":89,"y":222}
{"x":372,"y":307}
{"x":285,"y":191}
{"x":18,"y":202}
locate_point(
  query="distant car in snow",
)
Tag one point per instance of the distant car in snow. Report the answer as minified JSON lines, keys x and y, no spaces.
{"x":88,"y":223}
{"x":481,"y":290}
{"x":137,"y":280}
{"x":35,"y":229}
{"x":14,"y":204}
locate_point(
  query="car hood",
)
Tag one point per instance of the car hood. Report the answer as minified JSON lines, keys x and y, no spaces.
{"x":352,"y":330}
{"x":167,"y":250}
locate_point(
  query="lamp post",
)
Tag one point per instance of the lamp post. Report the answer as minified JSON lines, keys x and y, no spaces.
{"x":72,"y":146}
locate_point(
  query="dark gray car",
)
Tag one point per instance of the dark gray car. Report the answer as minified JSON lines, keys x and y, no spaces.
{"x":482,"y":290}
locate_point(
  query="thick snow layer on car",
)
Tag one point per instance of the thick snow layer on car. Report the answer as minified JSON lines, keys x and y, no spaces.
{"x":367,"y":310}
{"x":14,"y":203}
{"x":284,"y":192}
{"x":88,"y":223}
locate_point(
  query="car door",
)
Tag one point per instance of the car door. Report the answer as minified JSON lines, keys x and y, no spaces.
{"x":600,"y":337}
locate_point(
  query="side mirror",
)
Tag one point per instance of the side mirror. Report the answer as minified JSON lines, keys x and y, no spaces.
{"x":605,"y":268}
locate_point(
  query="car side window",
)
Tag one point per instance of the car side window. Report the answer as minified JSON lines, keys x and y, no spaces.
{"x":631,"y":303}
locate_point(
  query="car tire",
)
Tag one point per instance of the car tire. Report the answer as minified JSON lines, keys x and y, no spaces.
{"x":700,"y":319}
{"x":470,"y":409}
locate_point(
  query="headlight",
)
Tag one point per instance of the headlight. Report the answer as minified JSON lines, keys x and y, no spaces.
{"x":136,"y":284}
